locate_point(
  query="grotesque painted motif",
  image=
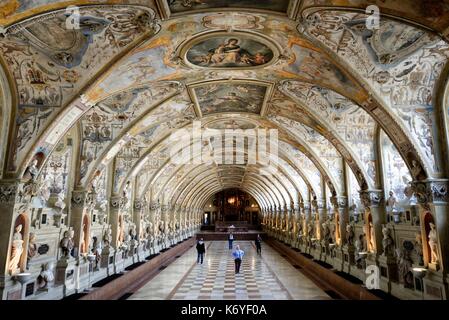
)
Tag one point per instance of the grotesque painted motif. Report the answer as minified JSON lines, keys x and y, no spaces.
{"x":51,"y":62}
{"x":350,"y":123}
{"x":229,"y":52}
{"x":215,"y":98}
{"x":189,"y":5}
{"x":400,"y":62}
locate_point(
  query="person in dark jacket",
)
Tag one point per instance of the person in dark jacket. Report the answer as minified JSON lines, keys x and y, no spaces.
{"x":201,"y":249}
{"x":259,"y":244}
{"x":230,"y":240}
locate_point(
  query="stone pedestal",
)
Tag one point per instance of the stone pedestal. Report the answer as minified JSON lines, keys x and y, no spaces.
{"x":348,"y":258}
{"x":119,"y":263}
{"x":337,"y":258}
{"x":388,"y":272}
{"x":67,"y":275}
{"x":107,"y":260}
{"x":434,"y":286}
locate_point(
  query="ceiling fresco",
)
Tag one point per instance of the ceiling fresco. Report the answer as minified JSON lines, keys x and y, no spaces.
{"x":229,"y":51}
{"x":177,"y":6}
{"x":135,"y":72}
{"x":225,"y":97}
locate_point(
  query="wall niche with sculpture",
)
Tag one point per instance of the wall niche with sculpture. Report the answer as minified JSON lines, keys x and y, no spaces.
{"x":19,"y":241}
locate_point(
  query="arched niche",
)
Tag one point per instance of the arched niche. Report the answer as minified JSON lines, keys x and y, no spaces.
{"x":427,"y":220}
{"x":85,"y":235}
{"x":19,"y":242}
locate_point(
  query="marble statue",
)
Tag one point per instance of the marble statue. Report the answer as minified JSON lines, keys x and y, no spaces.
{"x":94,"y":182}
{"x":107,"y":237}
{"x":67,"y":244}
{"x":387,"y":242}
{"x":350,"y":234}
{"x":96,"y":250}
{"x":60,"y":203}
{"x":419,"y":249}
{"x":404,"y":266}
{"x":46,"y":276}
{"x":32,"y":249}
{"x":416,"y":169}
{"x":392,"y":202}
{"x":16,"y":251}
{"x":31,"y":171}
{"x":433,"y":244}
{"x":372,"y":238}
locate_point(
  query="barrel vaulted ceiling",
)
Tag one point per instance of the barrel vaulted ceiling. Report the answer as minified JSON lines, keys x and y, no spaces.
{"x":109,"y":95}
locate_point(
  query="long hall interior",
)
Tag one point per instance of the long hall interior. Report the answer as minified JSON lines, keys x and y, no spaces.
{"x":131,"y":131}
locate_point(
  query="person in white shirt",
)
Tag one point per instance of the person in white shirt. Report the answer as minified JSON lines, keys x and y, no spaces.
{"x":238,"y":255}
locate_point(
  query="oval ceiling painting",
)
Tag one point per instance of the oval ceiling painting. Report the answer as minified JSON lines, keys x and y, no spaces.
{"x":229,"y":51}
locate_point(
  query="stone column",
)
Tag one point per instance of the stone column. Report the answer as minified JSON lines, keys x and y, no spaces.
{"x":373,"y":201}
{"x":433,"y":197}
{"x":340,"y":204}
{"x":306,"y":221}
{"x":80,"y":201}
{"x":9,"y":195}
{"x":114,"y":207}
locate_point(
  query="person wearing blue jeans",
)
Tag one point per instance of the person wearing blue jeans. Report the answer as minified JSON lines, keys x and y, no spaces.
{"x":201,"y":249}
{"x":238,"y":255}
{"x":230,"y":240}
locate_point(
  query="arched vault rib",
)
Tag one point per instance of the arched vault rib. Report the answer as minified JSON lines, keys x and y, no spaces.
{"x":186,"y":193}
{"x":198,"y":190}
{"x":284,"y":156}
{"x":380,"y":101}
{"x":211,"y":176}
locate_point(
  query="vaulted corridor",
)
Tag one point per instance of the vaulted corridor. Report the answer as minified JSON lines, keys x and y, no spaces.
{"x":128,"y":128}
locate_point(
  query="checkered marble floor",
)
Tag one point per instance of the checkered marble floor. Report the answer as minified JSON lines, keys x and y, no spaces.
{"x":216,"y":278}
{"x":265,"y":277}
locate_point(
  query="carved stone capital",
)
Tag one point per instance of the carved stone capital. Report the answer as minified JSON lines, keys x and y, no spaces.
{"x":8,"y":192}
{"x":339,"y":202}
{"x":79,"y":198}
{"x":431,"y":191}
{"x":138,"y":204}
{"x":371,"y":198}
{"x":114,"y":202}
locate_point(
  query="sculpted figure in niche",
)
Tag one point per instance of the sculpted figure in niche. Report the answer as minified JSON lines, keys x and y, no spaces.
{"x":433,"y":244}
{"x":32,"y":171}
{"x":107,"y":237}
{"x":387,"y":242}
{"x":416,"y":169}
{"x":16,"y":251}
{"x":372,"y":238}
{"x":350,"y":235}
{"x":67,"y":244}
{"x":32,"y":249}
{"x":418,"y":249}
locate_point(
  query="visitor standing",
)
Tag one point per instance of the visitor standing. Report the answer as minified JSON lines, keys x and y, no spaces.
{"x":201,"y":249}
{"x":259,"y":244}
{"x":238,"y":255}
{"x":230,"y":240}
